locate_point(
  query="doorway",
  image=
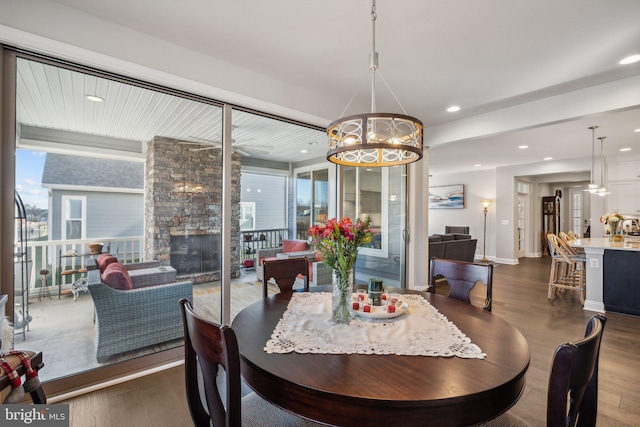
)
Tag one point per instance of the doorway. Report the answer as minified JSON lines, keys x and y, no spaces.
{"x":522,"y":200}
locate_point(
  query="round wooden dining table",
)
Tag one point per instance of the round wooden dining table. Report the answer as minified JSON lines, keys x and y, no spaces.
{"x":387,"y":390}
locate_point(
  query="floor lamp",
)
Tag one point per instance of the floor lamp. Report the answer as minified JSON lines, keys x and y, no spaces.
{"x":485,"y":205}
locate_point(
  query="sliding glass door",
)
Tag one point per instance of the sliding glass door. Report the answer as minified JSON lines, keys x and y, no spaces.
{"x":379,"y":193}
{"x":137,"y":171}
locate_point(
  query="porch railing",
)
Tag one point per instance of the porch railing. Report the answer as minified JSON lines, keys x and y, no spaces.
{"x":252,"y":240}
{"x":45,"y":255}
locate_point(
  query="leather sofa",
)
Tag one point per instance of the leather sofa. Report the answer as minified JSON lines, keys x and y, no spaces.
{"x":456,"y":246}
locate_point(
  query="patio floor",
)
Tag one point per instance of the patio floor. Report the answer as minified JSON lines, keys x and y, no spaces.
{"x":64,"y":331}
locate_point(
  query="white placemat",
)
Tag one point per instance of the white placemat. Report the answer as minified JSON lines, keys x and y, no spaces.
{"x":306,"y":327}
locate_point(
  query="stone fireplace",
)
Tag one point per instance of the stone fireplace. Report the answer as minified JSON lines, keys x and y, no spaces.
{"x":183,"y":209}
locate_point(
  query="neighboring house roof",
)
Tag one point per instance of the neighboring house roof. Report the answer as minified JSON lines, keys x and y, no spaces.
{"x":61,"y":169}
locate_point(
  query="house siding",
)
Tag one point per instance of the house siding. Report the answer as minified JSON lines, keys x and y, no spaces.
{"x":268,"y":192}
{"x":108,"y":214}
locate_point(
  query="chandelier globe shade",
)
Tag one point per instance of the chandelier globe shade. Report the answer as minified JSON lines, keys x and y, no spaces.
{"x":375,"y":139}
{"x":593,"y":186}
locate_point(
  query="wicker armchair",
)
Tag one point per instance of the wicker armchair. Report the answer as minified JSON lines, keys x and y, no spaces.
{"x":128,"y":320}
{"x":320,"y":274}
{"x":264,"y":253}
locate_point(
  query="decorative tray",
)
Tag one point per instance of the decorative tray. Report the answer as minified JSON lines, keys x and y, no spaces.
{"x":381,"y":311}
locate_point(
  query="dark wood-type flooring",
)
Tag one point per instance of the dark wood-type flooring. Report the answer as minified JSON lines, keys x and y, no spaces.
{"x":520,"y":297}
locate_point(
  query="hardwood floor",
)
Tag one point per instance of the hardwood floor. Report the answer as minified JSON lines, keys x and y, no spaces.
{"x":519,"y":296}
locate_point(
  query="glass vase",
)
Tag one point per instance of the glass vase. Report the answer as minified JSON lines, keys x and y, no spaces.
{"x":342,"y":282}
{"x":613,"y":229}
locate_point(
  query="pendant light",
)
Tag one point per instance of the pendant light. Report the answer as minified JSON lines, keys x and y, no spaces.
{"x":602,"y":190}
{"x":375,"y":139}
{"x":593,"y":187}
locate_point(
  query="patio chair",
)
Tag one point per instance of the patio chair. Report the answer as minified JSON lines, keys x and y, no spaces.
{"x":463,"y":278}
{"x":572,"y":397}
{"x":285,"y":272}
{"x":209,"y":346}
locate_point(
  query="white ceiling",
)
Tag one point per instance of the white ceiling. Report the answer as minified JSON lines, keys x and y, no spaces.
{"x":486,"y":56}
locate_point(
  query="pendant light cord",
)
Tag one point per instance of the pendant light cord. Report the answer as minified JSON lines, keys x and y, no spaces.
{"x":374,"y":56}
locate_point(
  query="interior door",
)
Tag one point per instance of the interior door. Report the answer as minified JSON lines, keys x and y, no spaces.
{"x":521,"y":226}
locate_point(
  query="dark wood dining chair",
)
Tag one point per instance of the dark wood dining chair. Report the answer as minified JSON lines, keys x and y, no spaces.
{"x":572,"y":397}
{"x":462,"y":278}
{"x":210,"y":346}
{"x":285,"y":272}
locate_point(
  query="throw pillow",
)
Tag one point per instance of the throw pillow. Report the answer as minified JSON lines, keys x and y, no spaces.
{"x":294,"y":245}
{"x":116,"y":276}
{"x":104,"y":260}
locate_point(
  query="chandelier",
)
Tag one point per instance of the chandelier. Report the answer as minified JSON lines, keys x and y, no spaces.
{"x":602,"y":190}
{"x":375,"y":139}
{"x":593,"y":187}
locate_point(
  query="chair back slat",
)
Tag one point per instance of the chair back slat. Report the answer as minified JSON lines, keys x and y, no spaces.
{"x":573,"y":383}
{"x":211,"y":346}
{"x":285,"y":272}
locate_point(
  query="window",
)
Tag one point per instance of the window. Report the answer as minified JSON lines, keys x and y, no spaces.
{"x":247,"y":215}
{"x":363,"y":195}
{"x":576,"y":210}
{"x":73,"y":216}
{"x":312,"y":200}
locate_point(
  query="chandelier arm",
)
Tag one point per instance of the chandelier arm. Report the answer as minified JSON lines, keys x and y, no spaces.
{"x":350,"y":101}
{"x":392,"y":93}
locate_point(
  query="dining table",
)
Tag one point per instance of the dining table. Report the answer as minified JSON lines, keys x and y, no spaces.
{"x":387,"y":389}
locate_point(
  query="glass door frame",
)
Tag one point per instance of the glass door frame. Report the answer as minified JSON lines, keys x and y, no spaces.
{"x":332,"y":210}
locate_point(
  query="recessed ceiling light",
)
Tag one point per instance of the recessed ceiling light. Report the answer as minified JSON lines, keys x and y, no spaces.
{"x":453,"y":109}
{"x":548,"y":158}
{"x":625,"y":149}
{"x":478,"y":165}
{"x":630,"y":60}
{"x":522,"y":147}
{"x":637,"y":130}
{"x":313,"y":143}
{"x":303,"y":151}
{"x":94,"y":98}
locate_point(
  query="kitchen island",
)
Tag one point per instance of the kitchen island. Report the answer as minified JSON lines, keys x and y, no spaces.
{"x":613,"y":274}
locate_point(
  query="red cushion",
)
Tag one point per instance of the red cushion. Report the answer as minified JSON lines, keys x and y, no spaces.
{"x":116,"y":276}
{"x":294,"y":245}
{"x":269,"y":258}
{"x":104,"y":260}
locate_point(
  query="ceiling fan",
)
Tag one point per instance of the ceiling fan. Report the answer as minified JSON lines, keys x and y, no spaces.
{"x":242,"y":147}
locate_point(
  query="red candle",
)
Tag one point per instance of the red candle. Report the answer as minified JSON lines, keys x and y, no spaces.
{"x":391,"y":308}
{"x":367,"y":308}
{"x":356,"y":305}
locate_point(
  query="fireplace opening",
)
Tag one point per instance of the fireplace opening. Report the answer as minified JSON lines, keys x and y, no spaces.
{"x":195,"y":254}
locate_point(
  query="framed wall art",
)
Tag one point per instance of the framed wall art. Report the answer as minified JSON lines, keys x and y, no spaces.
{"x":446,"y":197}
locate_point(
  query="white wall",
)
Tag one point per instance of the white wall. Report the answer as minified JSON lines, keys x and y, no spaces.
{"x":499,"y":185}
{"x":478,"y":185}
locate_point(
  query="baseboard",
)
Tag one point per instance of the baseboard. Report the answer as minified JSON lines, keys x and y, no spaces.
{"x":513,"y":261}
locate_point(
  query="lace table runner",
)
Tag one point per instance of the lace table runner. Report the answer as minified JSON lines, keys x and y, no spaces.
{"x":306,"y":327}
